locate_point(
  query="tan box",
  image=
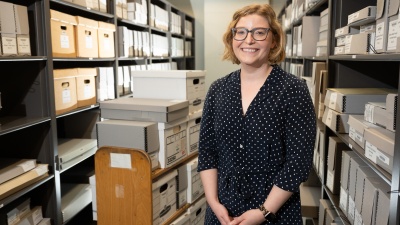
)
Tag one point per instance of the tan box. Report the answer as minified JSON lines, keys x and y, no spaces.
{"x":106,"y":39}
{"x":11,"y":168}
{"x":86,"y":87}
{"x":89,"y":4}
{"x":7,"y":29}
{"x":381,"y":28}
{"x":22,"y":28}
{"x":103,"y":6}
{"x":86,"y":38}
{"x":371,"y":186}
{"x":357,"y":127}
{"x":346,"y":30}
{"x":65,"y":90}
{"x":336,"y":146}
{"x":355,"y":164}
{"x":324,"y":205}
{"x":393,"y":42}
{"x":12,"y":186}
{"x":362,"y":16}
{"x":344,"y":179}
{"x":379,"y":147}
{"x":34,"y":216}
{"x":309,"y":197}
{"x":362,"y":174}
{"x":62,"y":34}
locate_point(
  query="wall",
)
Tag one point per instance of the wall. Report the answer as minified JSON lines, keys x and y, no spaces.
{"x":212,"y":18}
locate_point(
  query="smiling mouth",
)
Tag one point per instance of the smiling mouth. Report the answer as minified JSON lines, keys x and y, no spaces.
{"x":249,"y":50}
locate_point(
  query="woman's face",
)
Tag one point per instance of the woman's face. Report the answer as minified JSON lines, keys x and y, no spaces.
{"x":250,"y":51}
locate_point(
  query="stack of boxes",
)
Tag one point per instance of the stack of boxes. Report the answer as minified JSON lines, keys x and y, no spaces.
{"x":14,"y":30}
{"x":74,"y":88}
{"x":137,"y":11}
{"x":76,"y":36}
{"x":322,"y":44}
{"x":163,"y":119}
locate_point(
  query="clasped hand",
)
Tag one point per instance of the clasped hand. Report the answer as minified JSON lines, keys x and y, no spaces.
{"x":250,"y":217}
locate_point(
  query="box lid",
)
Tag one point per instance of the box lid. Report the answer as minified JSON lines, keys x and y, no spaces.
{"x":142,"y":104}
{"x":165,"y":179}
{"x":106,"y":26}
{"x":381,"y":138}
{"x":71,"y":146}
{"x":62,"y":17}
{"x":82,"y":21}
{"x":87,"y":71}
{"x":168,"y":73}
{"x":64,"y":73}
{"x":359,"y":124}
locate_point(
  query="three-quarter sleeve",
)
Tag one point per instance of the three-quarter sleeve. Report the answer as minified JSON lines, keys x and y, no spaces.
{"x":299,"y":139}
{"x":208,"y":157}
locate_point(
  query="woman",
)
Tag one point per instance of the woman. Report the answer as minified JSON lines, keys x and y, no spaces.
{"x":258,"y":129}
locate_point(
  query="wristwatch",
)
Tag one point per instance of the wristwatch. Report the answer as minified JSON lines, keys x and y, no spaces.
{"x":269,"y":216}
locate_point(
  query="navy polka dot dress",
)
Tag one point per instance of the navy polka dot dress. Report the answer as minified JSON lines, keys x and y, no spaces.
{"x":272,"y":145}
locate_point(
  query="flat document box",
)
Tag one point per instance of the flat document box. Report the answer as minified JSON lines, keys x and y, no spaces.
{"x":353,"y":100}
{"x":74,"y":198}
{"x":11,"y":168}
{"x":12,"y":186}
{"x":74,"y":147}
{"x":159,"y":110}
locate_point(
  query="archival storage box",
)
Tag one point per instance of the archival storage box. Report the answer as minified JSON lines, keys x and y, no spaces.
{"x":159,"y":110}
{"x":164,"y":197}
{"x":73,"y":149}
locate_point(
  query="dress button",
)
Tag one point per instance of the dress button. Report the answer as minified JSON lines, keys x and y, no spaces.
{"x":241,"y":146}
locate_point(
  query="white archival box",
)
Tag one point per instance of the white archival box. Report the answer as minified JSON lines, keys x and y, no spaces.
{"x":193,"y":132}
{"x":182,"y":220}
{"x":164,"y":197}
{"x":198,"y":211}
{"x":170,"y":84}
{"x":11,"y":168}
{"x":195,"y":186}
{"x":159,"y":110}
{"x":173,"y":142}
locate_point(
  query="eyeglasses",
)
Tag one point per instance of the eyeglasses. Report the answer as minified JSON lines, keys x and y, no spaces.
{"x":258,"y":33}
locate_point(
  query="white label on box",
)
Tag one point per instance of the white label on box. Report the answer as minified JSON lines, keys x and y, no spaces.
{"x":352,"y":207}
{"x":383,"y":157}
{"x":329,"y":180}
{"x":318,"y":51}
{"x":24,"y":46}
{"x":64,"y":40}
{"x":339,"y":31}
{"x":365,"y":29}
{"x":9,"y":45}
{"x":379,"y":35}
{"x":343,"y":199}
{"x":369,"y":113}
{"x":358,"y":218}
{"x":379,"y":42}
{"x":107,"y":44}
{"x":87,"y":92}
{"x":89,"y":41}
{"x":352,"y":133}
{"x":332,"y":100}
{"x":154,"y":160}
{"x":321,"y":168}
{"x":370,"y":151}
{"x":329,"y":117}
{"x":66,"y":96}
{"x":120,"y":161}
{"x":392,"y":35}
{"x":398,"y":26}
{"x":379,"y":29}
{"x":27,"y":165}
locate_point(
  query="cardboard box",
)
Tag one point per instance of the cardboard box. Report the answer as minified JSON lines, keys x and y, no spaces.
{"x":131,"y":134}
{"x":353,"y":100}
{"x":362,"y":16}
{"x":106,"y":33}
{"x":309,"y":34}
{"x":63,"y":34}
{"x":74,"y":198}
{"x":181,"y":187}
{"x":346,"y":30}
{"x":357,"y":127}
{"x":324,"y":205}
{"x":379,"y":147}
{"x":173,"y":142}
{"x":336,"y":146}
{"x":336,"y":121}
{"x":89,"y":4}
{"x":34,"y":216}
{"x":393,"y":42}
{"x":86,"y":87}
{"x":370,"y":202}
{"x":344,"y":179}
{"x":362,"y":174}
{"x":197,"y":212}
{"x":159,"y":110}
{"x":382,"y":28}
{"x":164,"y":198}
{"x":24,"y":180}
{"x":171,"y":84}
{"x":195,"y":186}
{"x":14,"y":211}
{"x":182,"y":220}
{"x":374,"y":113}
{"x":11,"y":168}
{"x":86,"y":38}
{"x":103,"y":6}
{"x":7,"y":29}
{"x":193,"y":132}
{"x":362,"y":43}
{"x":309,"y":198}
{"x":22,"y":28}
{"x":65,"y":90}
{"x":355,"y":164}
{"x":339,"y":50}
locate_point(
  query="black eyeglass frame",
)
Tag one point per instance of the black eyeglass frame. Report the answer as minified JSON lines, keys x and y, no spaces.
{"x":249,"y":31}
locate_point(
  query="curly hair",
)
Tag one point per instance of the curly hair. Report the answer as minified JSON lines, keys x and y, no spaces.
{"x":276,"y":54}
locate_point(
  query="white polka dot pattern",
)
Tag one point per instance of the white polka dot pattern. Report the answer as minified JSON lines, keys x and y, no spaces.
{"x":272,"y":145}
